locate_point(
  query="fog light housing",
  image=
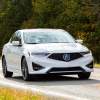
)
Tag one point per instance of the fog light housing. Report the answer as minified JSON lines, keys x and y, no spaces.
{"x":36,"y":67}
{"x":90,"y":65}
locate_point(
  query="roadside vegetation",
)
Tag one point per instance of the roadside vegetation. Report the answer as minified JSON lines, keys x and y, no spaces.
{"x":79,"y":17}
{"x":12,"y":94}
{"x":16,"y":94}
{"x":97,"y":65}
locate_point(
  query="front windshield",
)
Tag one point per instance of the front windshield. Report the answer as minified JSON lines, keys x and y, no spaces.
{"x":47,"y":37}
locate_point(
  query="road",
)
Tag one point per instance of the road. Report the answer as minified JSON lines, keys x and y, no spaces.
{"x":65,"y":86}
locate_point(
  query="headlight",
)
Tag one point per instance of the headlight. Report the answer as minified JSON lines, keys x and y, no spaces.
{"x":40,"y":54}
{"x":86,"y":52}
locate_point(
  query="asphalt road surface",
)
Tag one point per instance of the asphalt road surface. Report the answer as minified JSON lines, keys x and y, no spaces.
{"x":64,"y":86}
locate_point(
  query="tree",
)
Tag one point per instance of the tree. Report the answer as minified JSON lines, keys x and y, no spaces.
{"x":13,"y":16}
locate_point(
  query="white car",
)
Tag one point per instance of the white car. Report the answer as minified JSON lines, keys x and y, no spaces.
{"x":45,"y":51}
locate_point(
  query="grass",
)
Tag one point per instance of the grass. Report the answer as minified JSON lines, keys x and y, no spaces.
{"x":97,"y":65}
{"x":14,"y":94}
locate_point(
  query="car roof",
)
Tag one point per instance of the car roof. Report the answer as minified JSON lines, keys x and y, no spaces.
{"x":39,"y":30}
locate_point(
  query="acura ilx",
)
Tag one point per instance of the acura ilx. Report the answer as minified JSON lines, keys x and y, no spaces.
{"x":45,"y":51}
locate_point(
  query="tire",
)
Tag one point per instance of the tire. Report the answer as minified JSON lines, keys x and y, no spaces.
{"x":6,"y":73}
{"x":24,"y":68}
{"x":85,"y":75}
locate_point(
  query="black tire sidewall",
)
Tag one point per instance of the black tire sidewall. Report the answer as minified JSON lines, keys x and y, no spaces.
{"x":4,"y":67}
{"x":6,"y":73}
{"x":25,"y":76}
{"x":85,"y":75}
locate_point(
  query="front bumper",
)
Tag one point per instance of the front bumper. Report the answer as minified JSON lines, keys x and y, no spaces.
{"x":51,"y":66}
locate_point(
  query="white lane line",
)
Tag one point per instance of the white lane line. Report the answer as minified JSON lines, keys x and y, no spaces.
{"x":36,"y":89}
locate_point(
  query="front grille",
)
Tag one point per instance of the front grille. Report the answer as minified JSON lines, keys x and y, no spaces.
{"x":60,"y":56}
{"x":77,"y":69}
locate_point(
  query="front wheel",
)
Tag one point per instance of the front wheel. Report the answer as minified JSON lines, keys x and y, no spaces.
{"x":85,"y":75}
{"x":6,"y":73}
{"x":24,"y":69}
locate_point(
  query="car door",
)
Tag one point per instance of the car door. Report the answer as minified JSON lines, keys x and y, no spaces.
{"x":15,"y":52}
{"x":9,"y":48}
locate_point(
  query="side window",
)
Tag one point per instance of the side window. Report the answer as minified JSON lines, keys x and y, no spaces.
{"x":12,"y":38}
{"x":16,"y":37}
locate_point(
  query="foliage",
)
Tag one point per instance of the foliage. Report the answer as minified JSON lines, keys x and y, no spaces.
{"x":15,"y":94}
{"x":13,"y":16}
{"x":20,"y":94}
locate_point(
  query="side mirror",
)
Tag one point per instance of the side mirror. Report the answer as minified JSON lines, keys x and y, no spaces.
{"x":79,"y":41}
{"x":16,"y":43}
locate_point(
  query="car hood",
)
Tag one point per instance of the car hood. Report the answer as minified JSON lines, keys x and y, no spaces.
{"x":56,"y":47}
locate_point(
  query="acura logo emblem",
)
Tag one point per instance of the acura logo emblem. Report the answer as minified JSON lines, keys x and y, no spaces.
{"x":66,"y":57}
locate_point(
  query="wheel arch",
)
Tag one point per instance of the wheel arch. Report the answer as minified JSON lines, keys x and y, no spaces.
{"x":3,"y":56}
{"x":22,"y":59}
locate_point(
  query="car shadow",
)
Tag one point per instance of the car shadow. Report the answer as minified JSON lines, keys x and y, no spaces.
{"x":55,"y":80}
